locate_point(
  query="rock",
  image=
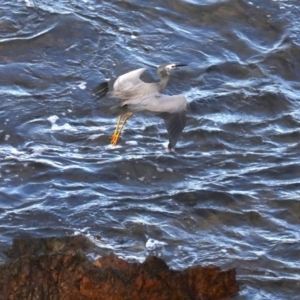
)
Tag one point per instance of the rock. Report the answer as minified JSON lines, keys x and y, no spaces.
{"x":57,"y":268}
{"x":32,"y":246}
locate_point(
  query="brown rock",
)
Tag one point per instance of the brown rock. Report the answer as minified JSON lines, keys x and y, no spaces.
{"x":48,"y":269}
{"x":33,"y":246}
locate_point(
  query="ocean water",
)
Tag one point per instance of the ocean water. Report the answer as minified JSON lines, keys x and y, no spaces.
{"x":228,"y":195}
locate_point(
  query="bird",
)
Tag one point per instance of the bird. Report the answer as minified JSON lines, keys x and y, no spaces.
{"x":137,"y":96}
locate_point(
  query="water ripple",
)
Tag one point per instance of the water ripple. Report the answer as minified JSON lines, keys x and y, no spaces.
{"x":228,"y":194}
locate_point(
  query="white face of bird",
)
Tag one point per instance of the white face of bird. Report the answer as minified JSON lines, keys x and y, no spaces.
{"x":174,"y":66}
{"x":170,"y":67}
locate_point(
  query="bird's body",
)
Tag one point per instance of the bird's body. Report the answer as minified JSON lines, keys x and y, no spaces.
{"x":137,"y":96}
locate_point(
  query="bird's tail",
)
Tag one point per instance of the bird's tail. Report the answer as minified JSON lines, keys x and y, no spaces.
{"x":101,"y":90}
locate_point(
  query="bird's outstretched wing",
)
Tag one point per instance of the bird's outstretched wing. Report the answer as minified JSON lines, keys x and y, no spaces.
{"x":175,"y":124}
{"x":117,"y":87}
{"x":129,"y":80}
{"x":157,"y":103}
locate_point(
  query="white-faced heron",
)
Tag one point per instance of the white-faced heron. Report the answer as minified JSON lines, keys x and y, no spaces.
{"x":137,"y":96}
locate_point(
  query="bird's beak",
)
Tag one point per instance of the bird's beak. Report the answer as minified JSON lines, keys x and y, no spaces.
{"x":180,"y":65}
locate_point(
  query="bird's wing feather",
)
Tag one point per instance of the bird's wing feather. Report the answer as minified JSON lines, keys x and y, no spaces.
{"x":128,"y":80}
{"x":101,"y":89}
{"x":123,"y":87}
{"x":175,"y":124}
{"x":158,"y":103}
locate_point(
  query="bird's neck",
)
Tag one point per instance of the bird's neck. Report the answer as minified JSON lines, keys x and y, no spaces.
{"x":163,"y":83}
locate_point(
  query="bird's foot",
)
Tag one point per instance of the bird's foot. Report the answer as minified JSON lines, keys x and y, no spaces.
{"x":114,"y":139}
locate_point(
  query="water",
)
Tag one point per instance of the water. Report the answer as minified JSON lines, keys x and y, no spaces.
{"x":229,"y":195}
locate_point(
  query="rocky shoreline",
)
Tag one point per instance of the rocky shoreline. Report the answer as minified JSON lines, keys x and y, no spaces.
{"x":58,"y":268}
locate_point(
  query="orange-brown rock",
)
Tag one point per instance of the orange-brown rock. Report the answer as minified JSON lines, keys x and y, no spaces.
{"x":58,"y":269}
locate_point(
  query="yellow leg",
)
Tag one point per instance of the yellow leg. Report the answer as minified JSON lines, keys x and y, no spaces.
{"x":114,"y":138}
{"x":118,"y":124}
{"x":127,"y":116}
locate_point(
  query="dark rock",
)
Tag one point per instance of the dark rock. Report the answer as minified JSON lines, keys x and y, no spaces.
{"x":58,"y":269}
{"x":33,"y":246}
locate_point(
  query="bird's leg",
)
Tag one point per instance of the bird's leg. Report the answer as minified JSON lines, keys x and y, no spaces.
{"x":114,"y":138}
{"x":127,"y":116}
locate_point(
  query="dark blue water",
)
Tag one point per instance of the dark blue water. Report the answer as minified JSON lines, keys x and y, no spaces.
{"x":228,"y":195}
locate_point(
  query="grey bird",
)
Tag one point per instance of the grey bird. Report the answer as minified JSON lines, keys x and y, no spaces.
{"x":137,"y":96}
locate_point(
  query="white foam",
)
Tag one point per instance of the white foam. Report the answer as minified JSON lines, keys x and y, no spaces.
{"x":152,"y":244}
{"x":37,"y":151}
{"x":65,"y":126}
{"x":82,"y":85}
{"x":206,"y":154}
{"x":27,"y":2}
{"x":16,"y":151}
{"x":94,"y":136}
{"x":53,"y":119}
{"x":132,"y":143}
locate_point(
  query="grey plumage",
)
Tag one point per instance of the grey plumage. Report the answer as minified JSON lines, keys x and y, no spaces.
{"x":137,"y":96}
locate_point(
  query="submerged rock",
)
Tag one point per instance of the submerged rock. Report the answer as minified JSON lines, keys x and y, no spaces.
{"x":57,"y":268}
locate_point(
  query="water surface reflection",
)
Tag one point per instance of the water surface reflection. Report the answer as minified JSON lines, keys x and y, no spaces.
{"x":230,"y":191}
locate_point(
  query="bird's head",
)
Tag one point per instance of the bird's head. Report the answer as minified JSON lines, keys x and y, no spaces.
{"x":164,"y":69}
